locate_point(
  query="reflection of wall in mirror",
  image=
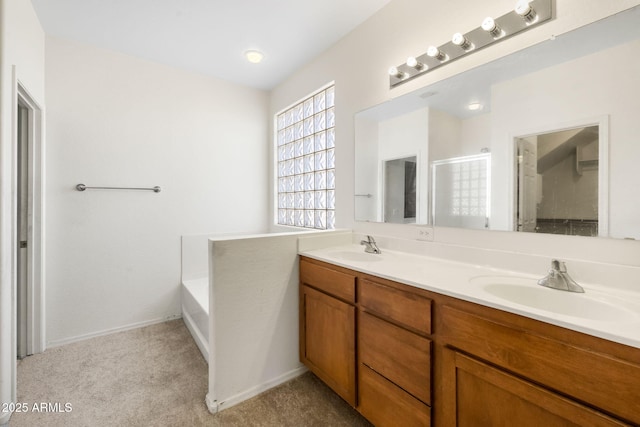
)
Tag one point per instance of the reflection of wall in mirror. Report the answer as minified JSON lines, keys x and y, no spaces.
{"x":450,"y":136}
{"x":566,"y":192}
{"x":604,"y":83}
{"x":366,"y":193}
{"x":406,"y":136}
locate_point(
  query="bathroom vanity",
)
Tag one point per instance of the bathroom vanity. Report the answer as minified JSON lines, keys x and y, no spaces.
{"x":404,"y":354}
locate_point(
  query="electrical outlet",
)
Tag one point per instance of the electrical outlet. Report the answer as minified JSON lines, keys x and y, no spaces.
{"x":424,"y":234}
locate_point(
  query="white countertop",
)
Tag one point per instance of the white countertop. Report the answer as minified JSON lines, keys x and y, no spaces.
{"x":611,"y":314}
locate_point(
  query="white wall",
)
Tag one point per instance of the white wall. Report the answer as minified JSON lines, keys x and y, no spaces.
{"x":566,"y":194}
{"x":444,"y":135}
{"x":367,"y":180}
{"x":113,"y":120}
{"x":254,"y":306}
{"x":358,"y":64}
{"x":475,"y":134}
{"x":253,"y":322}
{"x":22,"y":47}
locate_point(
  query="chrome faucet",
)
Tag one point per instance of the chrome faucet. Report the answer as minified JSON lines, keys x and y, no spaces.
{"x":558,"y":278}
{"x":370,"y":245}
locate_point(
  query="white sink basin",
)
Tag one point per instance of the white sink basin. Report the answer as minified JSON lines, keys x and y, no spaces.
{"x":356,"y":256}
{"x":589,"y":305}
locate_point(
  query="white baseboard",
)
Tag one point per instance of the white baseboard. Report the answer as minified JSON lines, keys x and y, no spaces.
{"x":215,"y":406}
{"x":212,"y":405}
{"x":58,"y":343}
{"x":201,"y":340}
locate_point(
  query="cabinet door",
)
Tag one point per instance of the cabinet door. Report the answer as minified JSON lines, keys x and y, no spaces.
{"x":476,"y":394}
{"x":328,"y":341}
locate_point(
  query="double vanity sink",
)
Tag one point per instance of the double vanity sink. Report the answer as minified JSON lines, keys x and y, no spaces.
{"x":415,"y":340}
{"x":602,"y":312}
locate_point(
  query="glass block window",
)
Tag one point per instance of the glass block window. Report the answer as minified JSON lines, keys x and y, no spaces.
{"x":461,"y":191}
{"x":305,"y":138}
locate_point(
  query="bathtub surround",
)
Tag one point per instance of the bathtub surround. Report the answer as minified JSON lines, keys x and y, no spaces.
{"x":195,"y":280}
{"x":194,"y":294}
{"x":195,"y":287}
{"x":253,"y":306}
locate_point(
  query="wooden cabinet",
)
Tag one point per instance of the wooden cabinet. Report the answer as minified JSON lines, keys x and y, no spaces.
{"x":388,"y":378}
{"x":396,"y":303}
{"x":565,"y":361}
{"x":385,"y":404}
{"x":403,"y":356}
{"x":394,"y":322}
{"x":478,"y":395}
{"x":397,"y":354}
{"x":328,"y":327}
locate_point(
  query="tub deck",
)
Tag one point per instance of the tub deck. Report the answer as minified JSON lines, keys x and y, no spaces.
{"x":195,"y":311}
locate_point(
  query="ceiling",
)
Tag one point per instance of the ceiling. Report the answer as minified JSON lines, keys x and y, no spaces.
{"x":210,"y":36}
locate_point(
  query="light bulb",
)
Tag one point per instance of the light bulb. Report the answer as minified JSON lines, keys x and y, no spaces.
{"x":436,"y":53}
{"x":490,"y":26}
{"x":474,"y":106}
{"x":413,"y":63}
{"x":394,"y":72}
{"x":459,"y":40}
{"x":524,"y":9}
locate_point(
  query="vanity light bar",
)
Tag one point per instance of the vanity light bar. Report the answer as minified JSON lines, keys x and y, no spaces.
{"x":527,"y":14}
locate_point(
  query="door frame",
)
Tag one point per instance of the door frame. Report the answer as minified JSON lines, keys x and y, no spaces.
{"x":35,"y":216}
{"x":36,"y":342}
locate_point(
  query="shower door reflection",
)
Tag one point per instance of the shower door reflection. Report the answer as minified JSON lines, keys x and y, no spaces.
{"x":461,"y":191}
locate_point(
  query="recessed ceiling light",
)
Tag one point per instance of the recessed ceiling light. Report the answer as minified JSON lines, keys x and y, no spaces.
{"x":474,"y":106}
{"x":254,"y":56}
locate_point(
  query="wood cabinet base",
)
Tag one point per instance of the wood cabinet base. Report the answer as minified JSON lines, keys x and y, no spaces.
{"x":478,"y":395}
{"x":475,"y":365}
{"x":385,"y":404}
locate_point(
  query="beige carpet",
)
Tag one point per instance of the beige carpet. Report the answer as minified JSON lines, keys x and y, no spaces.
{"x":156,"y":376}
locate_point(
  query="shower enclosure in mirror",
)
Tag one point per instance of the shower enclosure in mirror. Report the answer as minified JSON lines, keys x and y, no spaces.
{"x":583,"y":82}
{"x":461,"y":191}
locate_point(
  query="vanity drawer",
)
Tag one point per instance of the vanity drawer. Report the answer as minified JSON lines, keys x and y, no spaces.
{"x":608,"y":383}
{"x":402,"y":307}
{"x":333,"y":282}
{"x":385,"y":404}
{"x":397,"y":354}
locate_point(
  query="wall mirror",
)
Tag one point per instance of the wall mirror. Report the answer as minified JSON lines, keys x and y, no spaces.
{"x":569,"y":106}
